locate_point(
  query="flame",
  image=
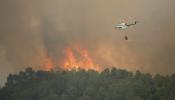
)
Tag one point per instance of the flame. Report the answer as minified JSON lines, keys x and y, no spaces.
{"x":79,"y":58}
{"x":48,"y":65}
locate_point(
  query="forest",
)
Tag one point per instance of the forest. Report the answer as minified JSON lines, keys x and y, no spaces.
{"x":109,"y":84}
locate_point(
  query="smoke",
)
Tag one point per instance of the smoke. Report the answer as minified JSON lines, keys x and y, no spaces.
{"x":31,"y":31}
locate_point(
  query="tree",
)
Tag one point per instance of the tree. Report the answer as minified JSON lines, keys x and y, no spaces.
{"x":114,"y":84}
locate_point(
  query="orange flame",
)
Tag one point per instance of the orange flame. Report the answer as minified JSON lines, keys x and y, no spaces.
{"x":79,"y":58}
{"x":48,"y":65}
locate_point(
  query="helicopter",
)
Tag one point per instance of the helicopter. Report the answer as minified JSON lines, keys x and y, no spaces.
{"x":124,"y":25}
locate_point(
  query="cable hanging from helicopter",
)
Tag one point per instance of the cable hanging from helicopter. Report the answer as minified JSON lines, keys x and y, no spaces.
{"x":125,"y":22}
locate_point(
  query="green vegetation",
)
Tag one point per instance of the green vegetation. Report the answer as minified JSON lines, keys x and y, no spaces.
{"x":110,"y":84}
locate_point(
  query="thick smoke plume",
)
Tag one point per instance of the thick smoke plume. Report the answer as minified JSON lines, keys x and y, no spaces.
{"x":33,"y":31}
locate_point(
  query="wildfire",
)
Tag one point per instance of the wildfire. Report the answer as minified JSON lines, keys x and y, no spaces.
{"x":48,"y":64}
{"x":79,"y":58}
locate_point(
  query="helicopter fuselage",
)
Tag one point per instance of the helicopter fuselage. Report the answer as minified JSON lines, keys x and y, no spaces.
{"x":121,"y":26}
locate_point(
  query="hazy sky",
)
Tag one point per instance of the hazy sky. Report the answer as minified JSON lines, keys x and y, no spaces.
{"x":32,"y":30}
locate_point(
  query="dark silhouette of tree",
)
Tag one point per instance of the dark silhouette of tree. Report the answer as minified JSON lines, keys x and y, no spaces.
{"x":110,"y":84}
